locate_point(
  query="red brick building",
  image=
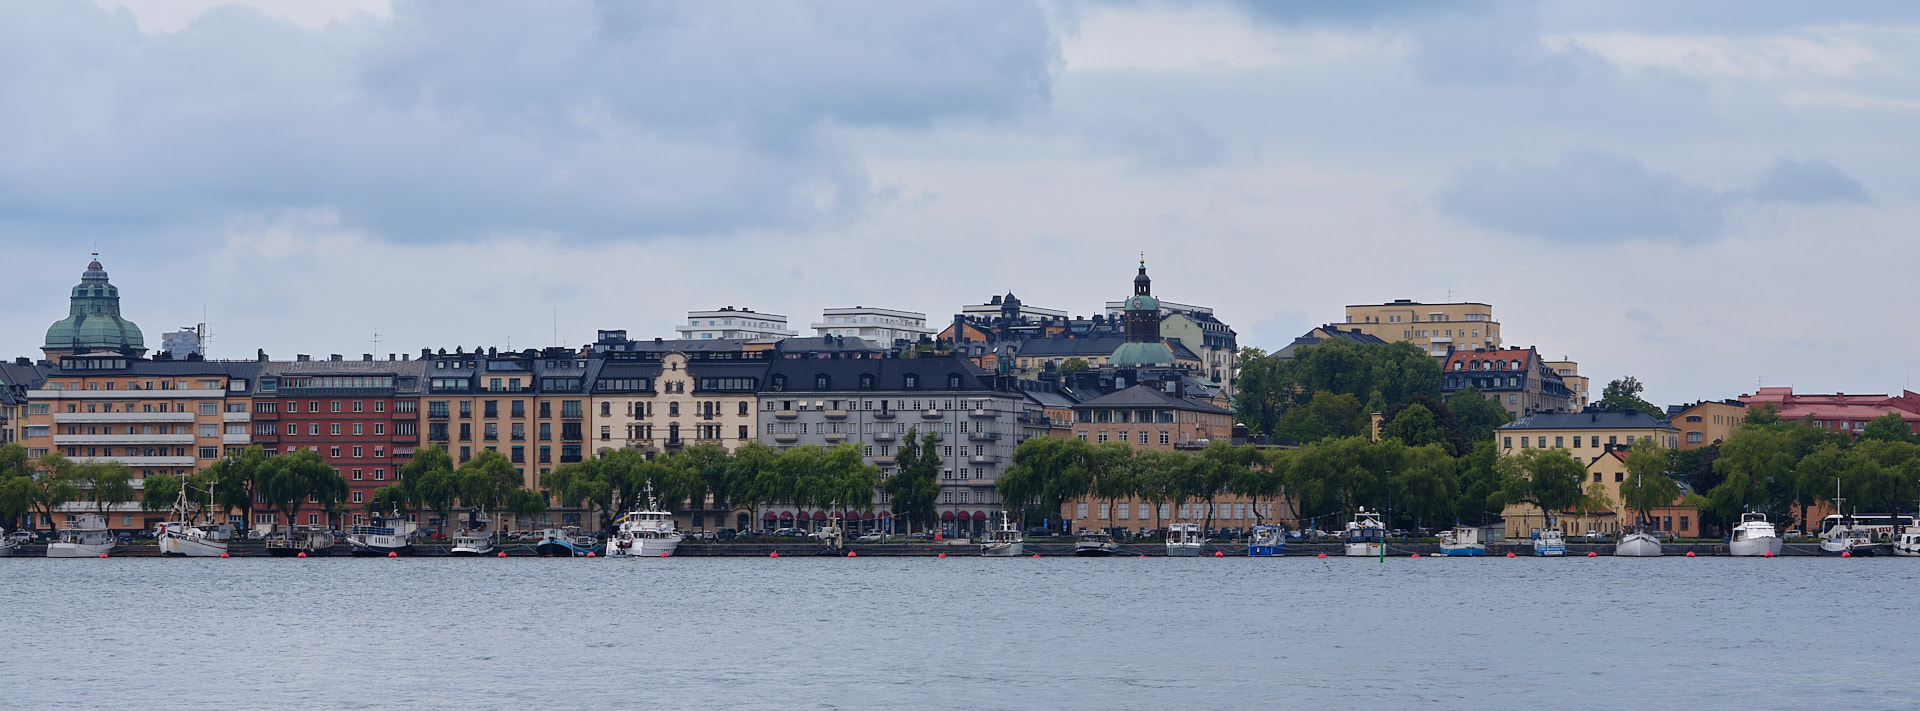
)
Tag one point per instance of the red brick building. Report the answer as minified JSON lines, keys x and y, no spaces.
{"x":361,"y":416}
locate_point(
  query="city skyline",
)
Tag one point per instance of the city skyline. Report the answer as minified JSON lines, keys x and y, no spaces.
{"x":1655,"y":194}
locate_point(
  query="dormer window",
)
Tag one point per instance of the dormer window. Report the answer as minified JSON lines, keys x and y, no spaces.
{"x":866,"y":382}
{"x":953,"y":381}
{"x":912,"y":381}
{"x":822,"y":382}
{"x":779,"y":383}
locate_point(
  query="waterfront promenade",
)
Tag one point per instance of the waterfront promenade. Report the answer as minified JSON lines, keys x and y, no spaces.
{"x":960,"y":549}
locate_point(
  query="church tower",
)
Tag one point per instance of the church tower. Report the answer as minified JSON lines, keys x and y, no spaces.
{"x":1142,"y":323}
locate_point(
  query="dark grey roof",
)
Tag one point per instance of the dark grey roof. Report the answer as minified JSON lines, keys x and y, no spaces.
{"x":828,"y":344}
{"x":1147,"y":396}
{"x":889,"y":374}
{"x":1065,"y":347}
{"x":1049,"y":398}
{"x":1590,"y":419}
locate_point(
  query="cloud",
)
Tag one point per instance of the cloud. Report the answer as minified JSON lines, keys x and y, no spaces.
{"x":1165,"y":141}
{"x":1585,"y":195}
{"x":1806,"y":182}
{"x":449,"y":120}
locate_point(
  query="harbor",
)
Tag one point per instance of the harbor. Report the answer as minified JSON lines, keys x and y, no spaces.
{"x":1052,"y":548}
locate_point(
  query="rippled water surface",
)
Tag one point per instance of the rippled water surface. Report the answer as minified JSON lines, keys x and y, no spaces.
{"x":796,"y":633}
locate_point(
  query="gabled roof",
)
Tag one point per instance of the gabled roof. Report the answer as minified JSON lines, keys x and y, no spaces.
{"x":1147,"y":396}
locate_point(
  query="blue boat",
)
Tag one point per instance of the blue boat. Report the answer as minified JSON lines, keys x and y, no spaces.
{"x":1267,"y":542}
{"x":566,"y":543}
{"x":1549,"y":542}
{"x":1469,"y":541}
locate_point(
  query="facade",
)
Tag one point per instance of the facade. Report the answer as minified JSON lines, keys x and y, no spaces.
{"x":189,"y":340}
{"x":729,"y":322}
{"x":530,"y":406}
{"x":16,"y":379}
{"x":1837,"y":411}
{"x":1707,"y":422}
{"x":93,"y":321}
{"x":1010,"y":306}
{"x":153,"y":416}
{"x":882,"y":326}
{"x":1156,"y":416}
{"x":1608,"y":472}
{"x":1578,"y":388}
{"x":1586,"y":434}
{"x":1438,"y":329}
{"x":1217,"y":346}
{"x":361,"y":416}
{"x":1327,"y":332}
{"x":874,"y":403}
{"x":1515,"y":377}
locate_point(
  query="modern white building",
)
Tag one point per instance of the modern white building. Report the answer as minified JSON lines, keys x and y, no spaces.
{"x":882,"y":326}
{"x":730,"y":322}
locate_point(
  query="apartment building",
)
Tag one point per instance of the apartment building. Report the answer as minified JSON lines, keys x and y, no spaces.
{"x":361,"y":416}
{"x":729,"y":322}
{"x":882,"y":326}
{"x":1438,"y":329}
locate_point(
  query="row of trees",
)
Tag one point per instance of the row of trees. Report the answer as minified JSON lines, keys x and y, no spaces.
{"x":283,"y":482}
{"x":1782,"y":468}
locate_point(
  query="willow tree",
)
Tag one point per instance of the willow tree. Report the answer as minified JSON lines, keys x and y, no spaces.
{"x":236,"y":480}
{"x":290,"y":479}
{"x":1647,"y":485}
{"x":1547,"y":478}
{"x":485,"y":481}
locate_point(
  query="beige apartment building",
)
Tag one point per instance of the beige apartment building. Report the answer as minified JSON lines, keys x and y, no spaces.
{"x":660,"y":403}
{"x":1577,"y":385}
{"x":1707,"y":422}
{"x":1435,"y":328}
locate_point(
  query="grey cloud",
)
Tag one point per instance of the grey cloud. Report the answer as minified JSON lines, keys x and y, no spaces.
{"x":1807,"y":182}
{"x":1167,"y":141}
{"x":569,"y":117}
{"x":1584,"y":195}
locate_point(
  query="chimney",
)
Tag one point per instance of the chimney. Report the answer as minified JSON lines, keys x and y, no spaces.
{"x":366,"y":356}
{"x":335,"y":357}
{"x":302,"y":357}
{"x":260,"y":354}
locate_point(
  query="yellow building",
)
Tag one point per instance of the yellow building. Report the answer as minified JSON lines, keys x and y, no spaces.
{"x":1585,"y":435}
{"x":1708,"y":422}
{"x":530,"y":406}
{"x":660,"y":404}
{"x":1436,"y":328}
{"x":1577,"y":385}
{"x":1606,"y":477}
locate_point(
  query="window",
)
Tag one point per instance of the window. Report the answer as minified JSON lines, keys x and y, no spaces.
{"x":1080,"y":510}
{"x":1508,"y":443}
{"x":333,"y":428}
{"x":357,"y":427}
{"x":209,"y":452}
{"x":1695,"y":438}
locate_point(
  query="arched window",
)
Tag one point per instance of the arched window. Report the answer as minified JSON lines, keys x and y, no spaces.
{"x":743,"y":407}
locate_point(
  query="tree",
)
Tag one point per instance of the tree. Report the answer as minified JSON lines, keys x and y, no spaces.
{"x":1547,"y":478}
{"x":1074,"y":365}
{"x":1423,"y":484}
{"x":1476,"y":415}
{"x":16,"y":484}
{"x":1480,"y":485}
{"x":1414,"y":426}
{"x":748,"y":473}
{"x":485,"y":482}
{"x":1326,"y":415}
{"x":914,"y":488}
{"x":1376,"y":377}
{"x":426,"y":473}
{"x":236,"y":480}
{"x":1890,"y":427}
{"x":389,"y":498}
{"x":159,"y":491}
{"x":53,"y":487}
{"x":525,"y":504}
{"x":1647,"y":485}
{"x":1623,"y":395}
{"x":1765,"y":413}
{"x":851,"y":481}
{"x":289,"y":479}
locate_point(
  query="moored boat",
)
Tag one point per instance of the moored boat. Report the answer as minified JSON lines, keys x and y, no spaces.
{"x":86,"y":537}
{"x":1365,"y":535}
{"x":1853,"y":540}
{"x":1267,"y":541}
{"x":475,"y":541}
{"x":311,"y":540}
{"x":1908,"y":543}
{"x":1754,"y":536}
{"x":1184,"y":540}
{"x":1004,"y":542}
{"x":565,"y":543}
{"x":182,"y":537}
{"x":1637,"y":543}
{"x":1095,"y":544}
{"x":1549,"y":543}
{"x":644,"y":533}
{"x":1467,"y":541}
{"x":387,"y":534}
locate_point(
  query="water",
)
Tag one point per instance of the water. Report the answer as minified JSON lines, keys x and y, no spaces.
{"x":800,"y":633}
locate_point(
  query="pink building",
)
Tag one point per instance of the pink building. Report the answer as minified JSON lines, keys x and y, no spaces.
{"x":1838,"y":411}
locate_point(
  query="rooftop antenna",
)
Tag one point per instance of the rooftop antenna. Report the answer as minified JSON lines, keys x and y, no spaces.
{"x":376,"y":339}
{"x":556,"y":325}
{"x":1449,"y":293}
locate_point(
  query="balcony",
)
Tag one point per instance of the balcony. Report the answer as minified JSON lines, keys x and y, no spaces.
{"x":984,"y":414}
{"x":785,"y":414}
{"x":930,"y":415}
{"x":786,"y":438}
{"x":676,"y":443}
{"x":137,"y":462}
{"x":835,"y":437}
{"x":883,"y":461}
{"x":236,"y":417}
{"x":236,"y":439}
{"x":883,"y":415}
{"x":983,"y":436}
{"x":883,"y":436}
{"x":86,"y":417}
{"x":984,"y":459}
{"x":569,"y":458}
{"x":67,"y":439}
{"x":836,"y":414}
{"x":436,"y":415}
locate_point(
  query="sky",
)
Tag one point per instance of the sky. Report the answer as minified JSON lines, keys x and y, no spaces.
{"x":1709,"y":197}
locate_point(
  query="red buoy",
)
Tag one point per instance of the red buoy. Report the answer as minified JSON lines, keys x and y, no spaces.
{"x":1323,"y":555}
{"x":943,"y":555}
{"x":1143,"y":555}
{"x":1591,"y":554}
{"x":1843,"y":554}
{"x":1689,"y":554}
{"x":503,"y":554}
{"x":1416,"y":555}
{"x":1769,"y":554}
{"x":103,"y":555}
{"x":851,"y":554}
{"x":302,"y":554}
{"x":223,"y":554}
{"x":1509,"y":554}
{"x":396,"y":554}
{"x":774,"y":554}
{"x":1218,"y":554}
{"x":1036,"y":555}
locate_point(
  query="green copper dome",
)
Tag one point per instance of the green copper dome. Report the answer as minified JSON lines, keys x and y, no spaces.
{"x":93,"y":319}
{"x":1141,"y":354}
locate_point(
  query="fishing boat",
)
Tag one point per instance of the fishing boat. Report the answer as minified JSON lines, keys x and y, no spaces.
{"x":86,"y":537}
{"x":1549,"y":543}
{"x":1754,"y":536}
{"x":182,"y":537}
{"x":1469,"y":541}
{"x":1267,"y":541}
{"x":565,"y":543}
{"x":1365,"y":535}
{"x":644,"y":533}
{"x":311,"y":540}
{"x":1004,"y":542}
{"x":1095,"y":544}
{"x":1184,"y":540}
{"x":390,"y":534}
{"x":475,"y":541}
{"x":1853,"y":540}
{"x":1636,"y":542}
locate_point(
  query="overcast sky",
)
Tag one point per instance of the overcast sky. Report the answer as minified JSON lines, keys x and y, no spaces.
{"x":1707,"y":196}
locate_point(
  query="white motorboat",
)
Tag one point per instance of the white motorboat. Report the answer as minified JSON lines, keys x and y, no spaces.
{"x":86,"y":537}
{"x":1549,"y":543}
{"x":644,"y":533}
{"x":1463,"y":541}
{"x":1853,"y":540}
{"x":7,"y":546}
{"x":1267,"y":541}
{"x":475,"y":541}
{"x":391,"y":534}
{"x":1365,"y":535}
{"x":1004,"y":542}
{"x":1184,"y":540}
{"x":1095,"y":544}
{"x":1637,"y":543}
{"x":1754,"y":536}
{"x":1908,"y":542}
{"x":181,"y":537}
{"x":310,"y":540}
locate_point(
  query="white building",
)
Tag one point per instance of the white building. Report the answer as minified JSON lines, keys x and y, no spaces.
{"x":730,"y":322}
{"x":882,"y":326}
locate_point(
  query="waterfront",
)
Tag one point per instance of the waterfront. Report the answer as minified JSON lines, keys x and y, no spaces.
{"x":926,"y":632}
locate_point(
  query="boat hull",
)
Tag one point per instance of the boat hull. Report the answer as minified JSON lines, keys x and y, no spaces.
{"x":1638,"y":545}
{"x":294,"y":552}
{"x":1759,"y":546}
{"x":1903,"y":548}
{"x":190,"y":547}
{"x":1550,"y":550}
{"x":1364,"y":550}
{"x":1467,"y":551}
{"x":1004,"y":549}
{"x":470,"y":551}
{"x":1874,"y":549}
{"x":362,"y":550}
{"x":645,"y":548}
{"x":1184,"y":550}
{"x":64,"y":549}
{"x":1095,"y":552}
{"x":559,"y":549}
{"x":1266,"y":551}
{"x":7,"y":548}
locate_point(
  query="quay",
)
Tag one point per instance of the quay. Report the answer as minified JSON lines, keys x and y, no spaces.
{"x":960,"y":549}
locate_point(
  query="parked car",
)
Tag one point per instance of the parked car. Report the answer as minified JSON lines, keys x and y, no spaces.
{"x":872,"y":538}
{"x":21,"y":537}
{"x":726,"y":534}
